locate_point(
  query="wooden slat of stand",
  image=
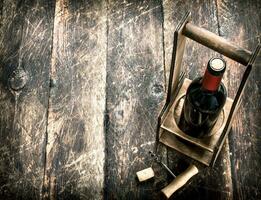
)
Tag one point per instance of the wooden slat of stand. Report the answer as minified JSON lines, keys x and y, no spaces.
{"x":177,"y":56}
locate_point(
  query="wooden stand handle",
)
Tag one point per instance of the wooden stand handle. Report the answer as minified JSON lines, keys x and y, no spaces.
{"x":216,"y":43}
{"x":180,"y":181}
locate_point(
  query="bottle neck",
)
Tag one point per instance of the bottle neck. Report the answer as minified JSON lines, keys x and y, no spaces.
{"x":211,"y":82}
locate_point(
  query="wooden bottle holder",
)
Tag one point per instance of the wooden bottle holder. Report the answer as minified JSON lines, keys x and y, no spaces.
{"x":204,"y":150}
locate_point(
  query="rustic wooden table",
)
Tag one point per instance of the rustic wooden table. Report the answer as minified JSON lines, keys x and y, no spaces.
{"x":82,"y":84}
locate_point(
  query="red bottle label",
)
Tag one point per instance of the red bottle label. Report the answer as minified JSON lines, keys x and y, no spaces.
{"x":211,"y":82}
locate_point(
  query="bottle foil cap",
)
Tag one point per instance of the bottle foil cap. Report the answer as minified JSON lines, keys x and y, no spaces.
{"x":213,"y":74}
{"x":216,"y":66}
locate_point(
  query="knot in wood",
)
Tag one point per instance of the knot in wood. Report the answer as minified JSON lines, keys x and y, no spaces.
{"x":157,"y":89}
{"x":18,"y":79}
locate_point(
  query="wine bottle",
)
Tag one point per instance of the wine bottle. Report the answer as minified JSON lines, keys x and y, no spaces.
{"x":204,"y":100}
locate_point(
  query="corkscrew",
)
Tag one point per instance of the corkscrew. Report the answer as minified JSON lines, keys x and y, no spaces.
{"x":156,"y":158}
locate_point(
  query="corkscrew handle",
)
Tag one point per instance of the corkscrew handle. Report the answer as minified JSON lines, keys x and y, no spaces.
{"x":180,"y":181}
{"x":216,"y":43}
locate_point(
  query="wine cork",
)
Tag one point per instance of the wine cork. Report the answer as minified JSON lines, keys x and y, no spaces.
{"x":145,"y":174}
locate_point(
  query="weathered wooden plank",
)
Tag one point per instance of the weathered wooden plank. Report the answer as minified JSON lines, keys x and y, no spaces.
{"x":240,"y":22}
{"x":134,"y":91}
{"x":75,"y":149}
{"x":210,"y":183}
{"x":25,"y":47}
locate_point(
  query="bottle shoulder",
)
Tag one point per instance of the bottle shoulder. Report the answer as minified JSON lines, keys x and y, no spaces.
{"x":206,"y":101}
{"x":197,"y":84}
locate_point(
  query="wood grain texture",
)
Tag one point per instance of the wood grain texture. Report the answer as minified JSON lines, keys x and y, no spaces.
{"x":25,"y":41}
{"x":89,"y":83}
{"x":135,"y":89}
{"x":240,"y":22}
{"x":210,"y":183}
{"x":75,"y":149}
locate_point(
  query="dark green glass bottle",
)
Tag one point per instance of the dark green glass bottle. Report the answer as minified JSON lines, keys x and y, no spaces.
{"x":205,"y":98}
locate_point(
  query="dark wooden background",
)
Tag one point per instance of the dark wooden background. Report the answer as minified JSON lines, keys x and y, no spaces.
{"x":82,"y":84}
